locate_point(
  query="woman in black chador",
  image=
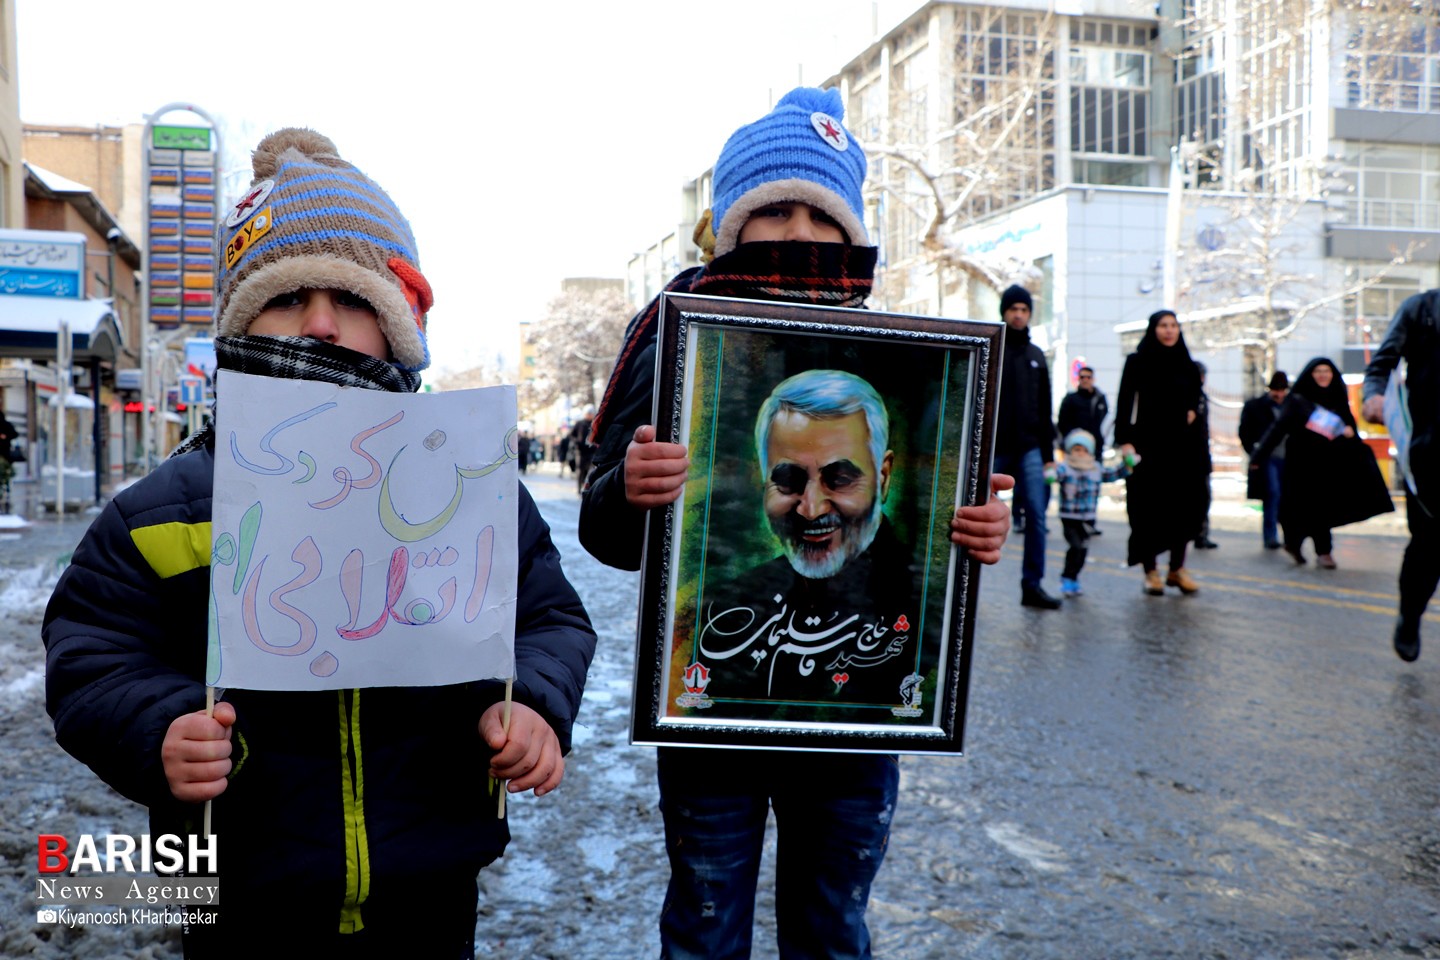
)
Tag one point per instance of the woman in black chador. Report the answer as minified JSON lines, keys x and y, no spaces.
{"x":1156,"y":421}
{"x":1330,"y":477}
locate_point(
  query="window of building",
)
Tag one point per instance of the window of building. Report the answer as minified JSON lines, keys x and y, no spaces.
{"x":1367,"y":313}
{"x":1110,"y":90}
{"x":1392,"y":61}
{"x":866,"y":115}
{"x":1005,"y":97}
{"x":909,"y":96}
{"x":1393,"y":185}
{"x":1103,"y":67}
{"x":1110,"y":173}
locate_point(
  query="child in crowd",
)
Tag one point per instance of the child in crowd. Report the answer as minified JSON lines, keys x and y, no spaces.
{"x":788,"y":225}
{"x":324,"y":849}
{"x":1080,"y":476}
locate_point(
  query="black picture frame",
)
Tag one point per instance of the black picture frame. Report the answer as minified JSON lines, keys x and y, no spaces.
{"x":784,"y":610}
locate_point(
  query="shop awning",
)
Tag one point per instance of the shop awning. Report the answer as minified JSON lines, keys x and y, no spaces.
{"x":28,"y":327}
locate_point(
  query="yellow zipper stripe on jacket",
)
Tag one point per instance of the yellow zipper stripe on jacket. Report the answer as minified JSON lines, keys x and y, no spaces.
{"x":357,"y":849}
{"x":173,"y":548}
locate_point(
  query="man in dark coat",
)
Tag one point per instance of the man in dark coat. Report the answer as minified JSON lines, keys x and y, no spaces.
{"x":1025,"y":438}
{"x":1202,"y":446}
{"x":1085,"y":408}
{"x":1414,"y":336}
{"x":581,"y":449}
{"x":822,"y":440}
{"x":1258,"y":414}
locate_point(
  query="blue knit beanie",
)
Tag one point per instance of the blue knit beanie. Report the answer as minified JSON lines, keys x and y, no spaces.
{"x":1083,"y":438}
{"x":798,"y":152}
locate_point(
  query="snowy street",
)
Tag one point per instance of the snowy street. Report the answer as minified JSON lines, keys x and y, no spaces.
{"x":1246,"y":773}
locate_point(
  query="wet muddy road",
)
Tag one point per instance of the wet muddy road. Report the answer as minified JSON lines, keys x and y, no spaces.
{"x":1247,"y":773}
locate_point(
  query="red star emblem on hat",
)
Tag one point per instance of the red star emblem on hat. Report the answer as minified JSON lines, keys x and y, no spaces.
{"x":829,"y":130}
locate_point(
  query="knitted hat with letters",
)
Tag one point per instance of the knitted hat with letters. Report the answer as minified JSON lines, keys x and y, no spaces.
{"x":311,"y":220}
{"x":798,"y":152}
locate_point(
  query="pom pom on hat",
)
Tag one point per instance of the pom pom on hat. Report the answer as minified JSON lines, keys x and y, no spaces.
{"x":265,"y":159}
{"x":310,"y":219}
{"x":798,"y":152}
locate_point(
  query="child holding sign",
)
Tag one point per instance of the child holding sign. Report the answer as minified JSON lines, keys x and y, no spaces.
{"x":348,"y":822}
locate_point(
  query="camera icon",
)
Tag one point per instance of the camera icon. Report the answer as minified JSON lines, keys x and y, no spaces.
{"x":47,"y":916}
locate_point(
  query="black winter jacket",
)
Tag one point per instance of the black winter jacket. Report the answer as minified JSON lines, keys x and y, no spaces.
{"x":1025,"y":420}
{"x":1414,"y":336}
{"x":1084,"y":411}
{"x":334,"y":796}
{"x":611,"y":529}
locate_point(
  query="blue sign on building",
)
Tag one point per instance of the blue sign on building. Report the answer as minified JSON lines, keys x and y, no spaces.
{"x":42,"y":263}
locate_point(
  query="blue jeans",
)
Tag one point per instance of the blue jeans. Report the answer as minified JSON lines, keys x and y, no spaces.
{"x":832,"y":815}
{"x":1032,"y":495}
{"x":1271,"y":510}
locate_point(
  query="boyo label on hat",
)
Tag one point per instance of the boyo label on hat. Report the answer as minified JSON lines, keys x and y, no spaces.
{"x":245,"y":238}
{"x":830,"y":130}
{"x":250,"y":203}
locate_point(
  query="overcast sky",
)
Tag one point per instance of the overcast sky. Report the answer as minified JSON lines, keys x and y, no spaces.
{"x":525,"y":142}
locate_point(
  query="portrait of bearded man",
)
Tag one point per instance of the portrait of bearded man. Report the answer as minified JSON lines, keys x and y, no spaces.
{"x":833,"y":618}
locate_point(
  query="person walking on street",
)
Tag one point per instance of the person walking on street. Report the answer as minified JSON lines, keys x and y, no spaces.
{"x":1025,"y":438}
{"x":1202,"y":429}
{"x":1079,"y":478}
{"x":581,"y":449}
{"x":1330,"y":476}
{"x":1155,"y":418}
{"x":1257,"y":416}
{"x":8,"y":435}
{"x":1084,"y":408}
{"x":788,"y":225}
{"x":1414,"y":336}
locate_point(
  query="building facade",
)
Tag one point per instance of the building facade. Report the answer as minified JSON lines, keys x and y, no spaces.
{"x":1269,"y":170}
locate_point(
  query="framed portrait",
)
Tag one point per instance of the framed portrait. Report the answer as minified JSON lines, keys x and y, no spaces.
{"x":803,"y":592}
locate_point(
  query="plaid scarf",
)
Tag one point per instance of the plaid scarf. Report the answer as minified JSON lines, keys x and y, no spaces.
{"x":829,"y":274}
{"x":300,"y":358}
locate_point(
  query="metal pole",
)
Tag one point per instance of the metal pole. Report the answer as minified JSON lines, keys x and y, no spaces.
{"x":151,"y":438}
{"x":62,"y":395}
{"x":97,"y":436}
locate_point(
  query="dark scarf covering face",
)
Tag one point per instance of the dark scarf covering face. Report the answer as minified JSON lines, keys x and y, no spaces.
{"x":1168,"y":380}
{"x":828,"y":274}
{"x":1333,"y":398}
{"x":301,"y":358}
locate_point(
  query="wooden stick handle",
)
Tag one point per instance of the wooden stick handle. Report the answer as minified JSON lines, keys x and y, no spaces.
{"x":505,"y":723}
{"x":209,"y":712}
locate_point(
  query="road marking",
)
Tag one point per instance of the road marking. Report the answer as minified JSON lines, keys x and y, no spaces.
{"x":1326,"y":592}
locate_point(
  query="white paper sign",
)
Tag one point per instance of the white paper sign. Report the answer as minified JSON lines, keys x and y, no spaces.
{"x":1397,"y":423}
{"x":361,"y":538}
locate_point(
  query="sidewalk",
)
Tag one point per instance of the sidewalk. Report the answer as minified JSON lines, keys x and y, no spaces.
{"x":1230,"y":511}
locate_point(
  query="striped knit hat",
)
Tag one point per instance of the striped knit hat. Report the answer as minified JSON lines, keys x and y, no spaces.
{"x":798,"y":152}
{"x":312,"y":220}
